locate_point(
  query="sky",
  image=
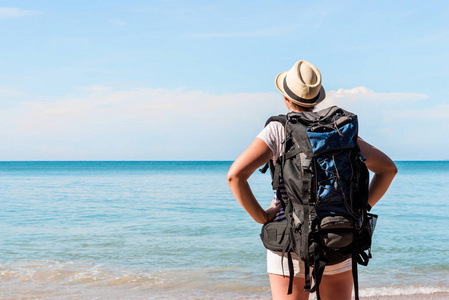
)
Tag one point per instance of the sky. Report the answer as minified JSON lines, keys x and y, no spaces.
{"x":194,"y":80}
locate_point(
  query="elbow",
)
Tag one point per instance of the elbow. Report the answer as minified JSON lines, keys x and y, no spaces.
{"x":384,"y":167}
{"x":389,"y":170}
{"x":393,"y":169}
{"x":232,"y":177}
{"x":235,"y":176}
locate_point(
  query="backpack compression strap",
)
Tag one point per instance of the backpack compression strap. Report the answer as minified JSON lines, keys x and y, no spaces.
{"x":358,"y":257}
{"x":306,"y":193}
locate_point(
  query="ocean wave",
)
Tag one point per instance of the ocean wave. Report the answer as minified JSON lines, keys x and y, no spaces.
{"x":403,"y":290}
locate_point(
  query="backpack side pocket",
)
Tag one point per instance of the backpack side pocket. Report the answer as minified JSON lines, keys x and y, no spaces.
{"x":275,"y":236}
{"x":366,"y":233}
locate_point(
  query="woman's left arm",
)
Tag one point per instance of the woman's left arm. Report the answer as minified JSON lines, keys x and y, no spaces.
{"x":256,"y":155}
{"x":382,"y":166}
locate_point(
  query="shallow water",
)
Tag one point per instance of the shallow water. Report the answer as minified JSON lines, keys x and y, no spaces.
{"x":138,"y":230}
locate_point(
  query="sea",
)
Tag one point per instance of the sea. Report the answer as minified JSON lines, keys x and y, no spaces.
{"x":173,"y":230}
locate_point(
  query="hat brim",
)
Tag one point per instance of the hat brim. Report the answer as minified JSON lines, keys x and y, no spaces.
{"x":279,"y":82}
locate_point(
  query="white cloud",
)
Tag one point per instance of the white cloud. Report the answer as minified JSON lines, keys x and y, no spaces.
{"x":138,"y":105}
{"x":373,"y":108}
{"x":99,"y":122}
{"x":14,"y":12}
{"x":404,"y":125}
{"x":362,"y":96}
{"x":139,"y":123}
{"x":429,"y":114}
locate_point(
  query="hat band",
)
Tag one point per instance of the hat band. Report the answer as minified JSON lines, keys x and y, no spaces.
{"x":296,"y":97}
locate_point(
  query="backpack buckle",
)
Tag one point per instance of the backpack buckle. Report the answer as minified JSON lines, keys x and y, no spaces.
{"x":358,"y":224}
{"x":306,"y":163}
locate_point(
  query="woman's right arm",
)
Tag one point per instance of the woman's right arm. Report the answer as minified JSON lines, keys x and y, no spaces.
{"x":252,"y":158}
{"x":383,"y":168}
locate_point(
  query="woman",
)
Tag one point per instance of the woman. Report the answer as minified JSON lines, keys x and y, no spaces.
{"x":302,"y":90}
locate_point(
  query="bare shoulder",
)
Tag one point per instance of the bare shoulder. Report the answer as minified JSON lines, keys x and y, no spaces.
{"x":257,"y":154}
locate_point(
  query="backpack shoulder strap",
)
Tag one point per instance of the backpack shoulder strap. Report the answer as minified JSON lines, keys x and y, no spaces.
{"x":283,"y":120}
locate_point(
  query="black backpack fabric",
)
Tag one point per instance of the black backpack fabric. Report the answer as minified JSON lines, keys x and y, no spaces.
{"x":326,"y":182}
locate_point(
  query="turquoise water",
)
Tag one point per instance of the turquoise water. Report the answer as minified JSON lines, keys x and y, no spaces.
{"x":140,"y":230}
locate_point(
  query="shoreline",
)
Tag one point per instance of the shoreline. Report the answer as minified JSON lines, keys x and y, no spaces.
{"x":432,"y":296}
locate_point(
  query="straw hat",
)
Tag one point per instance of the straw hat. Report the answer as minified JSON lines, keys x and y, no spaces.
{"x":301,"y":84}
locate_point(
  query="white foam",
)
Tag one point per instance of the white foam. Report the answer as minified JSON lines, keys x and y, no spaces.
{"x":398,"y":291}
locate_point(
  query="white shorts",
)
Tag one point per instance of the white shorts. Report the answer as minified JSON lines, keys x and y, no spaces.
{"x":274,"y":265}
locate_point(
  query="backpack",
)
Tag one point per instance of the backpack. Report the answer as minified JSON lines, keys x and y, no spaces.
{"x":326,"y":182}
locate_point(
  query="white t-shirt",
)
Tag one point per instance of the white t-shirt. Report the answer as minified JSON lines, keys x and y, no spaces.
{"x":273,"y":134}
